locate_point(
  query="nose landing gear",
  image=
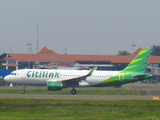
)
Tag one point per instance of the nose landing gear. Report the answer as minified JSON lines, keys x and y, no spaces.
{"x":23,"y":91}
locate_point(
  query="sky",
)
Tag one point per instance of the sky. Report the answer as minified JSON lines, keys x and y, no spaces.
{"x":89,"y":27}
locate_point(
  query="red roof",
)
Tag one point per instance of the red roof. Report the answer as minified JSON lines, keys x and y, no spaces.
{"x":20,"y":57}
{"x":106,"y":58}
{"x":129,"y":58}
{"x":154,"y":59}
{"x":46,"y":55}
{"x":11,"y":65}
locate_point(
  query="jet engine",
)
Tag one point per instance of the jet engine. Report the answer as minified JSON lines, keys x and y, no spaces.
{"x":53,"y":86}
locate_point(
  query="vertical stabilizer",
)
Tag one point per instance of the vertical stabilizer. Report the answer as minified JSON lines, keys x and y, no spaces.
{"x":139,"y":63}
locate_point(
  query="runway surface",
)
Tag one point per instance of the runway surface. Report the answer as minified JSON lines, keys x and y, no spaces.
{"x":79,"y":97}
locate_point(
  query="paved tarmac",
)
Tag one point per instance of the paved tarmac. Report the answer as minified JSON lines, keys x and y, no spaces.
{"x":148,"y":88}
{"x":79,"y":97}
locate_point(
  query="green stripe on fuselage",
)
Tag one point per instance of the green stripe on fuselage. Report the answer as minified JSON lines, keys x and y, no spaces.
{"x":136,"y":67}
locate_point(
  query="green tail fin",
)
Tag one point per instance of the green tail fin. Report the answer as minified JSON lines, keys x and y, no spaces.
{"x":139,"y":63}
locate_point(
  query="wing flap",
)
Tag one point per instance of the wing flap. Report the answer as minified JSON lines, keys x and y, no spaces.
{"x":75,"y":81}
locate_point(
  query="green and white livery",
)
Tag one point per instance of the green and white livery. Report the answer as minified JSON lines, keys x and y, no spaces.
{"x":60,"y":79}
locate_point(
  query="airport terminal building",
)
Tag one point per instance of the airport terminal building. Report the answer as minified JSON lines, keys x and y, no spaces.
{"x":46,"y":58}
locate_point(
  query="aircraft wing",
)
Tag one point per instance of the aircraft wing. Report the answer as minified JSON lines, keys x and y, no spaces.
{"x":74,"y":81}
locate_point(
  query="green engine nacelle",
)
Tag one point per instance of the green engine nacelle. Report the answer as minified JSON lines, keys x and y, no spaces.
{"x":53,"y":86}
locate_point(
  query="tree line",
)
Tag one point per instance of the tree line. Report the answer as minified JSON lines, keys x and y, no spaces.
{"x":155,"y":51}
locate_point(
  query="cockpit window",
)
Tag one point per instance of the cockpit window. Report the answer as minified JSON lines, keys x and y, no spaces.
{"x":13,"y":73}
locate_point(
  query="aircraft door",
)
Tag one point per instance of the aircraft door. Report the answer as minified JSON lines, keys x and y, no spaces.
{"x":121,"y":77}
{"x":24,"y":77}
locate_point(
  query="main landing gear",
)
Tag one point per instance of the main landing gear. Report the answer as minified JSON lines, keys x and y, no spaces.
{"x":23,"y":91}
{"x":73,"y":91}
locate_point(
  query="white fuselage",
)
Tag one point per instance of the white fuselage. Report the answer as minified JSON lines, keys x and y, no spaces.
{"x":41,"y":76}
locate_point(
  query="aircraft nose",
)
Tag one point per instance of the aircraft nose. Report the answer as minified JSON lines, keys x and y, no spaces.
{"x":7,"y":78}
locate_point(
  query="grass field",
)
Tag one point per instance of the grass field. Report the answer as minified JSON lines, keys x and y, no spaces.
{"x":79,"y":91}
{"x":18,"y":109}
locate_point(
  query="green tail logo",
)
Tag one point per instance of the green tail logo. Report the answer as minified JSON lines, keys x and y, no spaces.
{"x":139,"y":63}
{"x":135,"y":71}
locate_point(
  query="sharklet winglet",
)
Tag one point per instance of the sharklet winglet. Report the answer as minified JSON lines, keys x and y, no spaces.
{"x":90,"y":73}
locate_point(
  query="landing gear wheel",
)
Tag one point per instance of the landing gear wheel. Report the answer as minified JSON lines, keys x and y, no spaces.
{"x":73,"y":91}
{"x":23,"y":91}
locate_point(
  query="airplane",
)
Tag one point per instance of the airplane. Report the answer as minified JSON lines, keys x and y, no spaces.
{"x":60,"y":79}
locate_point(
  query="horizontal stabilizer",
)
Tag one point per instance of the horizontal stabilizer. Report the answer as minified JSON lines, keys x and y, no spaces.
{"x":141,"y":76}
